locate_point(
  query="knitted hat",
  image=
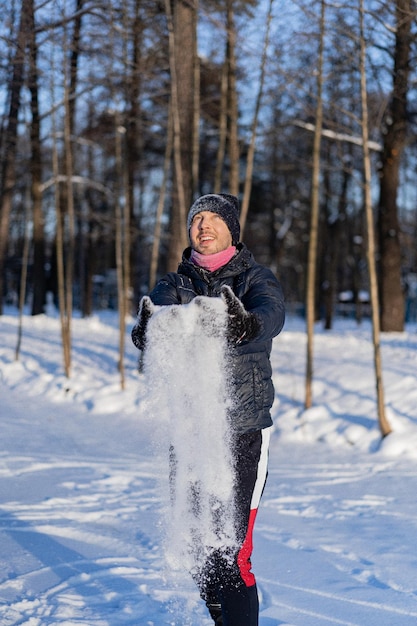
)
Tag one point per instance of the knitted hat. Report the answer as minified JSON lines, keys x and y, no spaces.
{"x":225,"y":205}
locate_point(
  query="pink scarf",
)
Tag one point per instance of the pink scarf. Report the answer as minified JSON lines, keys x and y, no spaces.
{"x":212,"y":262}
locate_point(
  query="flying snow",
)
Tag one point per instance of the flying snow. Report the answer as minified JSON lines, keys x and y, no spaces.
{"x":187,"y":378}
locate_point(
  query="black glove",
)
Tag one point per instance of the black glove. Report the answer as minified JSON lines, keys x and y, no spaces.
{"x":146,"y":308}
{"x":242,"y":325}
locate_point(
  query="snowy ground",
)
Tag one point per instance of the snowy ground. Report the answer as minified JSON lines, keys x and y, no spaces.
{"x":81,"y":516}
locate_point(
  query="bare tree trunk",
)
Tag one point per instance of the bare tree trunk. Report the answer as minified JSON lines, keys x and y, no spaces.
{"x":120,"y":240}
{"x":251,"y":151}
{"x":75,"y":53}
{"x":182,"y":34}
{"x":89,"y":260}
{"x":69,"y":257}
{"x":233,"y":102}
{"x":221,"y":149}
{"x":60,"y":258}
{"x":70,"y":84}
{"x":315,"y":206}
{"x":134,"y":140}
{"x":382,"y":420}
{"x":64,"y":236}
{"x":160,"y":208}
{"x":127,"y":179}
{"x":332,"y":244}
{"x":38,"y":274}
{"x":195,"y":156}
{"x":8,"y":174}
{"x":78,"y":267}
{"x":392,"y":296}
{"x":23,"y":276}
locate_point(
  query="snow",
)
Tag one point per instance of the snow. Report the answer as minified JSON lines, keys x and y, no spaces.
{"x":187,"y":397}
{"x":83,"y":518}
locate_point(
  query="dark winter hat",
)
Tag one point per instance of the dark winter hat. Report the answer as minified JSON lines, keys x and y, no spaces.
{"x":225,"y":205}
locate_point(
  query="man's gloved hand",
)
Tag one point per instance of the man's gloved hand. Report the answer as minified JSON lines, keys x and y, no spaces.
{"x":146,"y":309}
{"x":242,"y":325}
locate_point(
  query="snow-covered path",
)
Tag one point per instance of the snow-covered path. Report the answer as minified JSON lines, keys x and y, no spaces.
{"x":334,"y":543}
{"x":81,"y":514}
{"x":77,"y":514}
{"x":342,"y":531}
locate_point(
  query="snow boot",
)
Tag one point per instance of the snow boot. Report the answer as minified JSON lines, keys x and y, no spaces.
{"x":215,"y":611}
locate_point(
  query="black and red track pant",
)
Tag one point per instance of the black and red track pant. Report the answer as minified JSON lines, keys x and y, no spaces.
{"x":227,"y":579}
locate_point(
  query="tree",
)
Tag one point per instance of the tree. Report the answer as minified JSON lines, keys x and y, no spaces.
{"x":64,"y":202}
{"x":382,"y":420}
{"x":134,"y":138}
{"x":315,"y":205}
{"x":122,"y":226}
{"x":8,"y":172}
{"x":182,"y":52}
{"x":159,"y":211}
{"x":251,"y":149}
{"x":395,"y":137}
{"x":232,"y":99}
{"x":36,"y":167}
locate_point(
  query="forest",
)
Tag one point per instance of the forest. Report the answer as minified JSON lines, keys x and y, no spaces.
{"x":116,"y":115}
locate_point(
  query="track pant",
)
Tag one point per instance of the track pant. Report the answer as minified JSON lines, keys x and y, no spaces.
{"x":227,"y":579}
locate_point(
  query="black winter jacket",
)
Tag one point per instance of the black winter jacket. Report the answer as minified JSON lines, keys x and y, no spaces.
{"x":261,"y":294}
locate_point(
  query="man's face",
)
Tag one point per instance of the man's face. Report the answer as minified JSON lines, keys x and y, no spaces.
{"x":209,"y":233}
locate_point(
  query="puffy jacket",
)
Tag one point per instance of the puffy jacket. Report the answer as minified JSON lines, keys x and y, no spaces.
{"x":260,"y":292}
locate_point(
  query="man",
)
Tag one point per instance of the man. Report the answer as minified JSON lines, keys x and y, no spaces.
{"x":217,"y":265}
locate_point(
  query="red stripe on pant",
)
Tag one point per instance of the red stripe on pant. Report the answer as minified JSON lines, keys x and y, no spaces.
{"x":245,"y":553}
